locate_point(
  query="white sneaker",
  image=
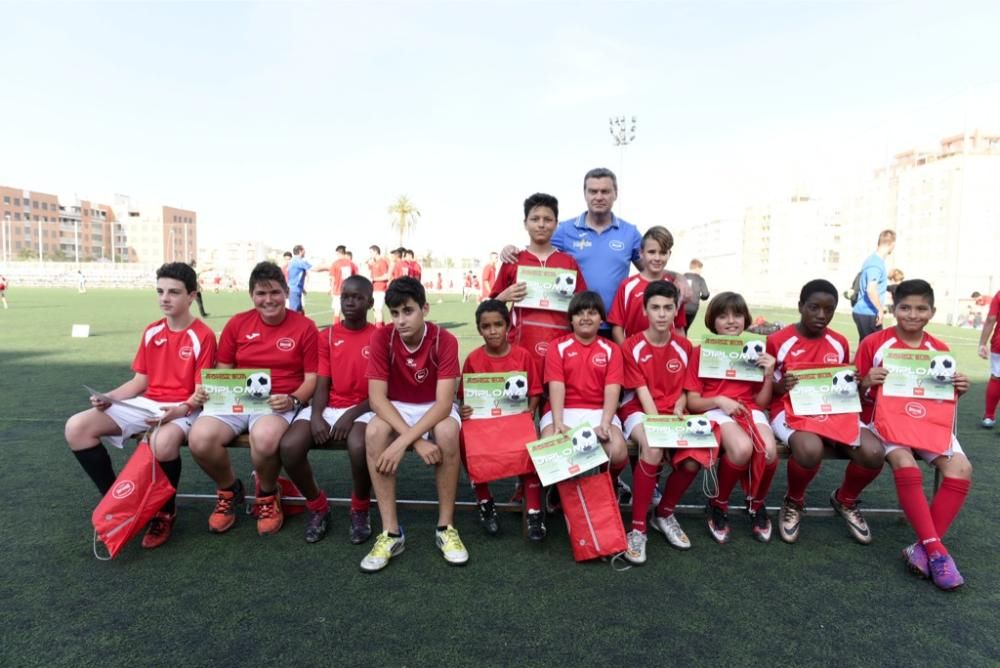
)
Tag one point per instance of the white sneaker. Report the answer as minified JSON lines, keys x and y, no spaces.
{"x":386,"y":547}
{"x":451,"y":546}
{"x":988,"y":423}
{"x":671,"y":528}
{"x":657,"y":495}
{"x":636,"y":552}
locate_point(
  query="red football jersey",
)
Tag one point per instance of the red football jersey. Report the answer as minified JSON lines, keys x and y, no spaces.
{"x":661,"y":369}
{"x":340,"y":271}
{"x":412,"y":375}
{"x":585,"y":369}
{"x":533,"y":329}
{"x":172,"y":361}
{"x":870,"y":352}
{"x":741,"y":390}
{"x":343,"y":357}
{"x":518,"y":359}
{"x":994,"y":312}
{"x":790,"y":347}
{"x":379,"y":267}
{"x":399,"y":268}
{"x":288,"y":349}
{"x":627,"y":309}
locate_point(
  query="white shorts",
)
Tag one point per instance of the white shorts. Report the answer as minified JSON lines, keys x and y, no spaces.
{"x":719,"y":416}
{"x":331,"y":415}
{"x":411,"y":414}
{"x":954,"y":449}
{"x":379,"y":298}
{"x":631,"y":422}
{"x":244,"y":423}
{"x":572,"y":417}
{"x":995,"y":364}
{"x":132,"y":421}
{"x":783,"y":432}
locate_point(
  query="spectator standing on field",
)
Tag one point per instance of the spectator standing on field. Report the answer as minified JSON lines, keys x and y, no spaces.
{"x":874,"y":284}
{"x":699,"y":291}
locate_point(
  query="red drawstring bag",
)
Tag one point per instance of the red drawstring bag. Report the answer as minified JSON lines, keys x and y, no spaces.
{"x":924,"y":424}
{"x":494,"y":447}
{"x":839,"y":427}
{"x":288,"y":489}
{"x":139,"y":492}
{"x":593,"y":518}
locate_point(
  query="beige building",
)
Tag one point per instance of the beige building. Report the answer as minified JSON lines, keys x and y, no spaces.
{"x":157,"y":233}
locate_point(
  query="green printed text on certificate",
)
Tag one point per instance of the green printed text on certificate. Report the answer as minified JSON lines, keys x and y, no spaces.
{"x":731,"y":357}
{"x":549,"y":289}
{"x":237,"y":391}
{"x":495,"y":394}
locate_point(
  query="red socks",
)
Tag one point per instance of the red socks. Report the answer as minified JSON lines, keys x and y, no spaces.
{"x":799,"y":478}
{"x":616,"y":471}
{"x":532,"y":487}
{"x":856,"y":478}
{"x":992,"y":397}
{"x":910,"y":490}
{"x":360,"y":505}
{"x":729,"y":475}
{"x":643,"y":484}
{"x":677,"y":483}
{"x":765,"y":485}
{"x":319,"y":504}
{"x":947,"y":502}
{"x":482,"y":492}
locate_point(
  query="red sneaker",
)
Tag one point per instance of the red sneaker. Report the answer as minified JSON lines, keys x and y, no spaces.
{"x":158,"y":531}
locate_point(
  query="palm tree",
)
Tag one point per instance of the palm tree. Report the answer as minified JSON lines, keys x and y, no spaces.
{"x":404,"y":216}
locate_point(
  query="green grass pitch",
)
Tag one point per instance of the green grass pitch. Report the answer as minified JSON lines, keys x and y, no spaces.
{"x":238,"y":599}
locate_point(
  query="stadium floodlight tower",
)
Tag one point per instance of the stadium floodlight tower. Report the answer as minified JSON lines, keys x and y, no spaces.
{"x":623,"y":133}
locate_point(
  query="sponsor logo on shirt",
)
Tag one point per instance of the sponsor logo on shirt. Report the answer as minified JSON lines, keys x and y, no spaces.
{"x":600,"y":359}
{"x":616,"y":245}
{"x":420,"y":375}
{"x":645,"y":358}
{"x":572,"y":353}
{"x":831,"y":358}
{"x":410,"y":362}
{"x":582,"y":243}
{"x":796,"y":353}
{"x":123,"y":489}
{"x":338,"y":342}
{"x":285,"y":344}
{"x":160,"y":342}
{"x":915,"y":410}
{"x":674,"y":366}
{"x":252,"y":336}
{"x":541,"y":348}
{"x":186,"y":353}
{"x":365,"y":352}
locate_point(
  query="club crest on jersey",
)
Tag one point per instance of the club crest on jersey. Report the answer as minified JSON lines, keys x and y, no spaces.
{"x":674,"y":366}
{"x":365,"y":352}
{"x":421,"y":375}
{"x":123,"y":489}
{"x":616,"y":245}
{"x":186,"y":353}
{"x":915,"y":410}
{"x":541,"y":348}
{"x":831,"y":358}
{"x":285,"y":344}
{"x":600,"y":359}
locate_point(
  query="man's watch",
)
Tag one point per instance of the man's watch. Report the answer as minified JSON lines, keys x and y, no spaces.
{"x":296,"y":404}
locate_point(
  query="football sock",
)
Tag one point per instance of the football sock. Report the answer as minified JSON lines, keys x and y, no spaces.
{"x":482,"y":492}
{"x":235,"y":488}
{"x":856,"y":478}
{"x":444,"y":528}
{"x":765,"y":485}
{"x":360,"y":505}
{"x":616,"y":471}
{"x":992,"y":397}
{"x":97,"y":463}
{"x":396,"y":534}
{"x":172,"y":469}
{"x":948,"y":501}
{"x":262,"y":494}
{"x":910,"y":490}
{"x":532,"y":487}
{"x":677,"y":483}
{"x":643,"y":484}
{"x":320,"y":504}
{"x":799,"y":478}
{"x":729,"y":475}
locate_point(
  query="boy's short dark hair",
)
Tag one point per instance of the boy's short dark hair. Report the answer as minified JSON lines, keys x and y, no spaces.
{"x":818,"y":285}
{"x":398,"y":252}
{"x":886,"y":237}
{"x":696,"y":263}
{"x":341,"y":249}
{"x":660,"y":289}
{"x":601,"y":173}
{"x":297,"y":249}
{"x":362,"y":281}
{"x":493,"y":306}
{"x":375,"y":248}
{"x":541,"y":199}
{"x":179,"y":271}
{"x":582,"y":301}
{"x":403,"y":288}
{"x":914,"y":287}
{"x":731,"y":302}
{"x":287,"y":254}
{"x":267,"y":272}
{"x":660,"y":235}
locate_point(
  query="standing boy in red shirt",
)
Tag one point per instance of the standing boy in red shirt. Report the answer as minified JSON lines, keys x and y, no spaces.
{"x":991,"y":333}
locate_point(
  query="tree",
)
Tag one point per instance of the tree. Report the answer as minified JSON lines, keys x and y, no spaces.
{"x":404,"y":216}
{"x":27,"y":254}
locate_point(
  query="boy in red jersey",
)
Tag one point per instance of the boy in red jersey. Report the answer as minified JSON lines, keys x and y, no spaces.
{"x":378,"y":267}
{"x":584,"y":373}
{"x":656,"y":362}
{"x":416,"y":271}
{"x":3,"y":291}
{"x":489,"y":277}
{"x":412,"y":375}
{"x":171,"y":355}
{"x":498,"y":355}
{"x":628,"y":314}
{"x":990,"y":333}
{"x":532,"y":328}
{"x":720,"y":400}
{"x":811,"y":342}
{"x":913,"y":308}
{"x":268,"y":336}
{"x":341,"y":269}
{"x":339,"y":411}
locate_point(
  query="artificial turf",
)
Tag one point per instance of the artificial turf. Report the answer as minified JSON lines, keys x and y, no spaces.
{"x":238,"y":599}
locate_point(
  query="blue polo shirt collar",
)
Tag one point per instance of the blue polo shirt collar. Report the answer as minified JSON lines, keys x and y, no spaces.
{"x":581,"y":222}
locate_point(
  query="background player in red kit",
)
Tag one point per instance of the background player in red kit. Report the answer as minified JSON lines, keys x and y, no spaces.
{"x":171,"y":355}
{"x":811,"y":341}
{"x":341,"y":269}
{"x":378,"y":267}
{"x":339,"y":410}
{"x":489,"y":277}
{"x":912,"y":309}
{"x":268,"y":336}
{"x":533,"y":329}
{"x":412,"y":376}
{"x":991,"y":334}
